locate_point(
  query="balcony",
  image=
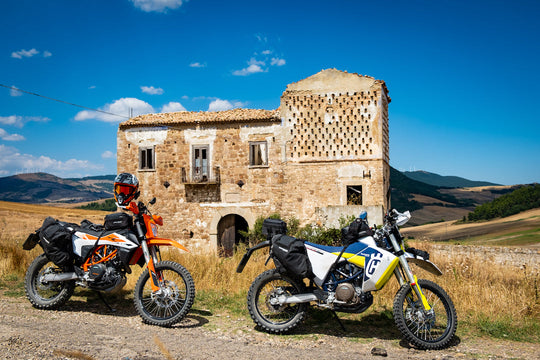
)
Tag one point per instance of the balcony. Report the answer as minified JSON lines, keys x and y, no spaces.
{"x":201,"y":177}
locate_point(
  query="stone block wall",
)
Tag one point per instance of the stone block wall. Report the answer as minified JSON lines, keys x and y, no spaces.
{"x":329,"y":135}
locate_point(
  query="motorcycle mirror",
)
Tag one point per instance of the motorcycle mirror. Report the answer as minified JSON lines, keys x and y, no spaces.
{"x":153,"y":201}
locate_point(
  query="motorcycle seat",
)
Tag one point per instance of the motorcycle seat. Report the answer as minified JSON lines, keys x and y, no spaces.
{"x":331,"y":249}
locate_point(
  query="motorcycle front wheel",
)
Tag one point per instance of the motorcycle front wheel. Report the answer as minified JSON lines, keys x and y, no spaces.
{"x":263,"y":306}
{"x":432,"y":329}
{"x":46,"y":295}
{"x":171,"y":303}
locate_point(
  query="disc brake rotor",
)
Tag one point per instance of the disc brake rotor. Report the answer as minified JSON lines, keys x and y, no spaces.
{"x":167,"y":295}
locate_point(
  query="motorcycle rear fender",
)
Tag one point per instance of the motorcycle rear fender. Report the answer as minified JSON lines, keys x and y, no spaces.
{"x":156,"y":242}
{"x":248,"y":253}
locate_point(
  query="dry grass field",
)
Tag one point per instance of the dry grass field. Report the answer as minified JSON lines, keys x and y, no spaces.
{"x":452,"y":230}
{"x":491,"y":299}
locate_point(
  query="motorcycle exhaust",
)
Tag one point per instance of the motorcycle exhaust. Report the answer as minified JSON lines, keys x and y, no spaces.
{"x":298,"y":298}
{"x":59,"y":277}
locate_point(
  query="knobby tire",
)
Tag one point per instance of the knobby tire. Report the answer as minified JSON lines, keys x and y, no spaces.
{"x":166,"y":310}
{"x":425,"y":332}
{"x":272,"y":318}
{"x":46,"y":296}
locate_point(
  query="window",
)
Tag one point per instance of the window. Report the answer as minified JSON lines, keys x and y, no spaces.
{"x":354,"y":195}
{"x":147,"y":158}
{"x":200,"y":162}
{"x":258,"y":153}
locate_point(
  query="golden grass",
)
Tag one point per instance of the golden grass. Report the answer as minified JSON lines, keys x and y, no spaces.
{"x":479,"y":289}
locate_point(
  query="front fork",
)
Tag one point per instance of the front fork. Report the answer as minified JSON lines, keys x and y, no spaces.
{"x":410,"y":277}
{"x":150,"y":257}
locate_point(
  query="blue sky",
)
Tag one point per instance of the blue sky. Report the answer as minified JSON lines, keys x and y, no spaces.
{"x":463,"y":76}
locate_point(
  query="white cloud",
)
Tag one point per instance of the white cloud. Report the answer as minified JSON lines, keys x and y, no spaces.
{"x":254,"y":66}
{"x":29,"y":53}
{"x":107,"y":154}
{"x":157,"y":5}
{"x":222,"y":105}
{"x":24,"y":53}
{"x":267,"y":52}
{"x":12,"y":161}
{"x":277,"y":62}
{"x":172,"y":107}
{"x":15,"y":92}
{"x":10,"y":137}
{"x":19,"y":121}
{"x":123,"y":107}
{"x":197,"y":65}
{"x":151,"y":90}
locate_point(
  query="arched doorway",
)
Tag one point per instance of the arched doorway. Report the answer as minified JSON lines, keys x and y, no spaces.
{"x":228,"y":235}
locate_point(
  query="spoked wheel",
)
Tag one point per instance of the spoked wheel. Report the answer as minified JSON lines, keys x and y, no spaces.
{"x":172,"y":301}
{"x":432,"y":329}
{"x":264,"y":307}
{"x":46,"y":295}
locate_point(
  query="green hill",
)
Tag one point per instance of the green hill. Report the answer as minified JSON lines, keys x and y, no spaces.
{"x":523,"y":198}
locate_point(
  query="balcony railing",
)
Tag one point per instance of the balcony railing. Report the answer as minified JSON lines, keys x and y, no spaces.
{"x":211,"y":177}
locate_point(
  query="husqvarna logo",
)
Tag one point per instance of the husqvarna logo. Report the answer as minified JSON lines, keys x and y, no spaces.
{"x":373,"y":263}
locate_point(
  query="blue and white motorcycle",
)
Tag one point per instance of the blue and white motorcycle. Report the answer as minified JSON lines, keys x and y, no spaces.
{"x":343,"y":278}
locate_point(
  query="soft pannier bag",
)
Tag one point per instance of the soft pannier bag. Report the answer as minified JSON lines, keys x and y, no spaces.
{"x":55,"y":239}
{"x":290,"y":255}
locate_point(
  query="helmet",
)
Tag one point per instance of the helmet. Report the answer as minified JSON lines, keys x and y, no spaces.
{"x":126,"y":188}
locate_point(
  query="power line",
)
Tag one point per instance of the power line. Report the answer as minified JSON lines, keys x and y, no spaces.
{"x":62,"y":101}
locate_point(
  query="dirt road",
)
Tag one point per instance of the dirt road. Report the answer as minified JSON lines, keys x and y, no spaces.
{"x":83,"y":331}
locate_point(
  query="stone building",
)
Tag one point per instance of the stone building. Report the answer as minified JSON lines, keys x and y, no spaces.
{"x":324,"y":153}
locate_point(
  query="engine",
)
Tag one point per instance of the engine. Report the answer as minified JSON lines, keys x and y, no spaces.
{"x":105,"y":270}
{"x":345,"y":292}
{"x":105,"y":277}
{"x":348,"y":295}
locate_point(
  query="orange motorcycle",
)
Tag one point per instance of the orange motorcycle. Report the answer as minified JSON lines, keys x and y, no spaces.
{"x":98,"y":257}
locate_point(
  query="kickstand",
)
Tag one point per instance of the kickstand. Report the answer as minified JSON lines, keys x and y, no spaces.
{"x":339,"y":321}
{"x":105,"y":302}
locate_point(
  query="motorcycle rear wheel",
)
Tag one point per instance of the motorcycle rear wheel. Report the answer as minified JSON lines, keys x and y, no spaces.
{"x":270,"y":317}
{"x":174,"y":301}
{"x":46,"y":296}
{"x":432,"y":330}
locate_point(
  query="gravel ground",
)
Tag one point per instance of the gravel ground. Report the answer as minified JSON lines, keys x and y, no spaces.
{"x":89,"y":331}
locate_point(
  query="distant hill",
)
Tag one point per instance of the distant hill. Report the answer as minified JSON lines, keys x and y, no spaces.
{"x":445,"y":181}
{"x":403,"y":189}
{"x":430,"y":203}
{"x":40,"y":188}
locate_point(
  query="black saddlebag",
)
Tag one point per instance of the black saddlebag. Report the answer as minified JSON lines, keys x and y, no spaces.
{"x":290,"y":256}
{"x":273,"y":227}
{"x":356,"y":230}
{"x":55,"y":239}
{"x":118,"y":221}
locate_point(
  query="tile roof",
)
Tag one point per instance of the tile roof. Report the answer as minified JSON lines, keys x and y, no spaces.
{"x":206,"y":117}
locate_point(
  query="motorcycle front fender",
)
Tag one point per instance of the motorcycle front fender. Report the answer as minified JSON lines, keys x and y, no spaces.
{"x":165,"y":242}
{"x":426,"y":265}
{"x":155,"y":242}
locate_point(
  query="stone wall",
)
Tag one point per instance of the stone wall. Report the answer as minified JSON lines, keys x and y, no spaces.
{"x":328,"y":139}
